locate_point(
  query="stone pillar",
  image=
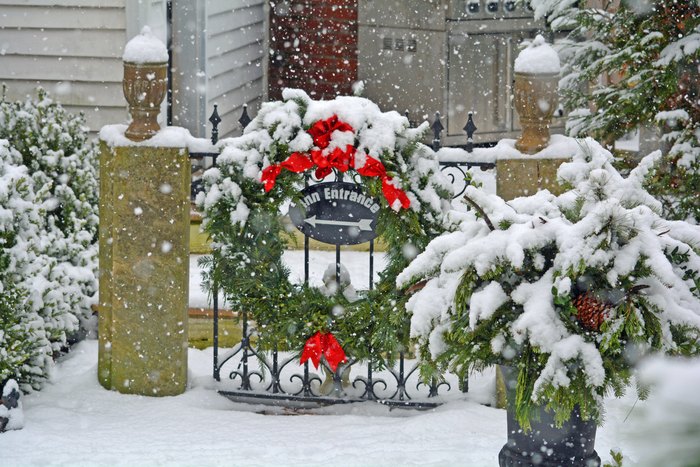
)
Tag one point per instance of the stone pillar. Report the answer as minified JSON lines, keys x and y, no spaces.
{"x":536,"y":77}
{"x":527,"y":176}
{"x":144,"y":262}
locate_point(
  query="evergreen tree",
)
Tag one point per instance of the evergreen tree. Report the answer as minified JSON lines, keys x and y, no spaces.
{"x":632,"y":65}
{"x":48,"y":216}
{"x":55,"y":148}
{"x":25,"y":353}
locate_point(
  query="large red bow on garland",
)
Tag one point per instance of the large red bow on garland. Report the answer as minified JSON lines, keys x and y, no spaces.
{"x":340,"y":159}
{"x":323,"y":345}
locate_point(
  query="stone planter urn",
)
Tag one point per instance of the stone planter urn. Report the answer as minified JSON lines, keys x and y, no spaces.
{"x":145,"y":83}
{"x":536,"y":82}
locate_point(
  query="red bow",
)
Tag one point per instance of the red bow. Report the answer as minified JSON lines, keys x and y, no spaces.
{"x":393,"y":194}
{"x":296,"y":162}
{"x":323,"y":345}
{"x":339,"y":159}
{"x":322,"y":130}
{"x":374,"y":168}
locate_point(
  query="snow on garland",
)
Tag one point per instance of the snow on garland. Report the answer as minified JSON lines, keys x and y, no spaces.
{"x":572,"y":290}
{"x":261,"y":172}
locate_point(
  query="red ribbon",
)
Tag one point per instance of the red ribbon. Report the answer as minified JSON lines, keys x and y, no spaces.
{"x":339,"y":159}
{"x":393,"y":194}
{"x":296,"y":162}
{"x":322,"y":130}
{"x":323,"y":345}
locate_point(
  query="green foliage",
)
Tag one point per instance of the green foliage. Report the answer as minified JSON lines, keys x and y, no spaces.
{"x":617,"y":459}
{"x":48,"y":234}
{"x":521,"y":289}
{"x":247,"y":261}
{"x":22,"y":343}
{"x":55,"y":148}
{"x":642,"y":71}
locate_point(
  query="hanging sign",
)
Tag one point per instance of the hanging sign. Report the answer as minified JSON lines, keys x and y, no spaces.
{"x":338,"y":213}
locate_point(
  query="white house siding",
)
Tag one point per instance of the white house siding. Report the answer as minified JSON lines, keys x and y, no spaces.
{"x":72,"y":48}
{"x":218,"y":59}
{"x":234,"y":48}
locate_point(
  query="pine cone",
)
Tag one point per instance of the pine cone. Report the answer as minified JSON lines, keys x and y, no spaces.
{"x":590,"y":311}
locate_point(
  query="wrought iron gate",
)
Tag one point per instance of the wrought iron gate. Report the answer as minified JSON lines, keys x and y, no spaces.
{"x":276,"y":377}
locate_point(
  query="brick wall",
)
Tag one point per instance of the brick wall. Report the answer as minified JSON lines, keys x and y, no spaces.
{"x":313,"y":47}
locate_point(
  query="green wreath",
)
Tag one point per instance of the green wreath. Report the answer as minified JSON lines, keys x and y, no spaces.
{"x":260,"y":173}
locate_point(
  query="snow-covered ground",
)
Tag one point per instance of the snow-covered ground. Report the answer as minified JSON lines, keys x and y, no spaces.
{"x":74,"y":421}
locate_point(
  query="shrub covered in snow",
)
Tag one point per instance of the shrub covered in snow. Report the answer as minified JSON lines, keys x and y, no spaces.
{"x":25,"y":353}
{"x":571,"y":290}
{"x":48,"y":225}
{"x":652,"y":49}
{"x":60,"y":158}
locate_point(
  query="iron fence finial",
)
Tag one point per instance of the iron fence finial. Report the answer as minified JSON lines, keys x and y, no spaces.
{"x":437,"y":129}
{"x":245,"y":118}
{"x":215,"y":119}
{"x":470,"y":128}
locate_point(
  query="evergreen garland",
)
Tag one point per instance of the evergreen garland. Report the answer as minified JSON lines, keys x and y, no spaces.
{"x":248,"y":234}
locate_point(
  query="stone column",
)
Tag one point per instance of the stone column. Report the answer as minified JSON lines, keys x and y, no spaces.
{"x":144,"y":251}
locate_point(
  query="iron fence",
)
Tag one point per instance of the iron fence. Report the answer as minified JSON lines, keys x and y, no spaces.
{"x":274,"y":377}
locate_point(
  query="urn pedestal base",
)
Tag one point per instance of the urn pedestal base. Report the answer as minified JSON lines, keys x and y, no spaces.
{"x":549,"y":446}
{"x":546,"y":445}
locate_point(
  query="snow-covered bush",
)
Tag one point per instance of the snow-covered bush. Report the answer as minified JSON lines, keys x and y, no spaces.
{"x":48,"y":222}
{"x":25,"y":353}
{"x":641,"y":60}
{"x":60,"y":158}
{"x":571,"y":290}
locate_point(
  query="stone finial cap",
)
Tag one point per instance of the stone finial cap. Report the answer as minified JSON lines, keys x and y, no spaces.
{"x":145,"y":48}
{"x":538,"y":58}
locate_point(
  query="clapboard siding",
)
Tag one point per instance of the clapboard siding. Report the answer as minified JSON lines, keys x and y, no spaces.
{"x":62,"y":42}
{"x":231,"y":106}
{"x":222,"y":43}
{"x":239,"y":58}
{"x":71,"y":3}
{"x":102,"y":70}
{"x":234,"y":58}
{"x":222,"y":83}
{"x":72,"y":48}
{"x":97,"y":117}
{"x":62,"y":17}
{"x":75,"y":93}
{"x":236,"y":18}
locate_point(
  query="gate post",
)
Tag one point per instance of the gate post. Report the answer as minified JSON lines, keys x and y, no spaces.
{"x":144,"y":239}
{"x":536,"y":78}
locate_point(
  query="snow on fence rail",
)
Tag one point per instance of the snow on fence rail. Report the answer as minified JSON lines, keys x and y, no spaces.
{"x":455,"y":161}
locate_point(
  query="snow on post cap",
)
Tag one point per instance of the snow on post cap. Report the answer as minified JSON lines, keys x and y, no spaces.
{"x":145,"y":48}
{"x":538,"y":58}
